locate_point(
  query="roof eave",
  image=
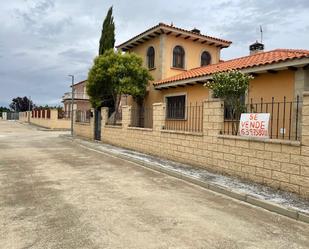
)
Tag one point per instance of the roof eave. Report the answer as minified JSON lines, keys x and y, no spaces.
{"x":163,"y":29}
{"x":299,"y":62}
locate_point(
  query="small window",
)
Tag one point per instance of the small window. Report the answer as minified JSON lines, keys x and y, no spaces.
{"x":205,"y":58}
{"x":176,"y":106}
{"x":179,"y":57}
{"x":151,"y":57}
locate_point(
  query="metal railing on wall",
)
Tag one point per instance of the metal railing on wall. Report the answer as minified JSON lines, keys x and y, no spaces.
{"x":83,"y":116}
{"x":284,"y":118}
{"x":40,"y":113}
{"x":115,"y":118}
{"x":142,"y":117}
{"x":187,"y":118}
{"x":64,"y":114}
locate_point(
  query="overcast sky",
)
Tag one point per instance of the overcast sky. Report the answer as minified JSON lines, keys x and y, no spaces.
{"x":42,"y":41}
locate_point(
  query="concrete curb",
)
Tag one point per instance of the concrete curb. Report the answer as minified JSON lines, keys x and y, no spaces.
{"x":272,"y":207}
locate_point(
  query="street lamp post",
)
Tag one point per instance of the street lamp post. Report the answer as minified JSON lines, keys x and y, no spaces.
{"x":72,"y":104}
{"x":29,"y":109}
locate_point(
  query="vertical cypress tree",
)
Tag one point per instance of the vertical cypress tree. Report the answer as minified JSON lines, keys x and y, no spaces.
{"x":107,"y":40}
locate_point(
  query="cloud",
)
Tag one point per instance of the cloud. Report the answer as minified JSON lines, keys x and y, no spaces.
{"x":79,"y":56}
{"x":42,"y":41}
{"x":20,"y":54}
{"x":42,"y":19}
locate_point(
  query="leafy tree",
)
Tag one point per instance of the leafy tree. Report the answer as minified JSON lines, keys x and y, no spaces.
{"x":4,"y":109}
{"x":231,"y":86}
{"x":48,"y":107}
{"x":115,"y":73}
{"x":107,"y":40}
{"x":21,"y":104}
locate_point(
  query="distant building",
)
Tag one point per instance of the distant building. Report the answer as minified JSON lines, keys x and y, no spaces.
{"x":81,"y":99}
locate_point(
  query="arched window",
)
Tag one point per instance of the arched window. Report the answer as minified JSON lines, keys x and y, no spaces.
{"x":151,"y":57}
{"x":178,"y":57}
{"x":205,"y":58}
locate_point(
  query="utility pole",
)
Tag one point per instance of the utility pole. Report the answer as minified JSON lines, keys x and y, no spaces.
{"x":72,"y":104}
{"x":29,"y":109}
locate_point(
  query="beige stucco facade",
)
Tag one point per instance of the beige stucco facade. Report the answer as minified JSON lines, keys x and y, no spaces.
{"x":266,"y":84}
{"x":163,"y":46}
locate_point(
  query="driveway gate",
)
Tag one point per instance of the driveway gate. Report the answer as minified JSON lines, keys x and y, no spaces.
{"x":12,"y":116}
{"x":97,"y":124}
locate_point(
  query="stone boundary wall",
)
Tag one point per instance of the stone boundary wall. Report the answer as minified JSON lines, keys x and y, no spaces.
{"x":4,"y":116}
{"x":85,"y":130}
{"x":276,"y":163}
{"x":51,"y":123}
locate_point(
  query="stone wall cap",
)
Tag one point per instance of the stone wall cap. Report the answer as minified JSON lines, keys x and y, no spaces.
{"x":113,"y":126}
{"x":261,"y":140}
{"x":157,"y":104}
{"x":306,"y":93}
{"x":82,"y":123}
{"x":213,"y":100}
{"x":140,"y":128}
{"x":200,"y":134}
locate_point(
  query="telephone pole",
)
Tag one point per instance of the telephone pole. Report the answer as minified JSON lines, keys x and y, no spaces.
{"x":72,"y":104}
{"x":29,"y":109}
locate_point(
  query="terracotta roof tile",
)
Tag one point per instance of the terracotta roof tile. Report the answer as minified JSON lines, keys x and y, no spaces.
{"x":264,"y":58}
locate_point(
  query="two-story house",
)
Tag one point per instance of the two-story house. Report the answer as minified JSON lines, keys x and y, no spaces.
{"x":169,"y":51}
{"x":181,"y":61}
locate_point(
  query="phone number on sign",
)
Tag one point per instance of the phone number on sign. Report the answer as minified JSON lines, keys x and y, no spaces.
{"x":254,"y":132}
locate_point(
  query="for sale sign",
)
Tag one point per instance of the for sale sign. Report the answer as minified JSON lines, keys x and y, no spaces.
{"x":254,"y":125}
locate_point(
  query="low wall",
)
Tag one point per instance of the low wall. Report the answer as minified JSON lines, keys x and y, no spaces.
{"x":4,"y":115}
{"x":51,"y":122}
{"x":24,"y":116}
{"x":84,"y":130}
{"x":276,"y":163}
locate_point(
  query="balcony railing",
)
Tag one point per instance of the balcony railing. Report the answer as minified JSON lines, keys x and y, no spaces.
{"x":68,"y":95}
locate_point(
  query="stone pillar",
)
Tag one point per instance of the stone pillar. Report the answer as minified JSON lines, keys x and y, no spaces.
{"x":53,"y":114}
{"x":305,"y":120}
{"x":104,"y":116}
{"x":29,"y":115}
{"x":213,"y":117}
{"x":158,"y":116}
{"x":126,"y":116}
{"x":299,"y":83}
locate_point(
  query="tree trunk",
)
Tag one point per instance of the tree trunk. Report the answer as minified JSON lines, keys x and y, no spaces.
{"x":117,"y":103}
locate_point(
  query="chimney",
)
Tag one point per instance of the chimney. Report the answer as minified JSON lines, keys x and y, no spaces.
{"x":256,"y":48}
{"x":196,"y":31}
